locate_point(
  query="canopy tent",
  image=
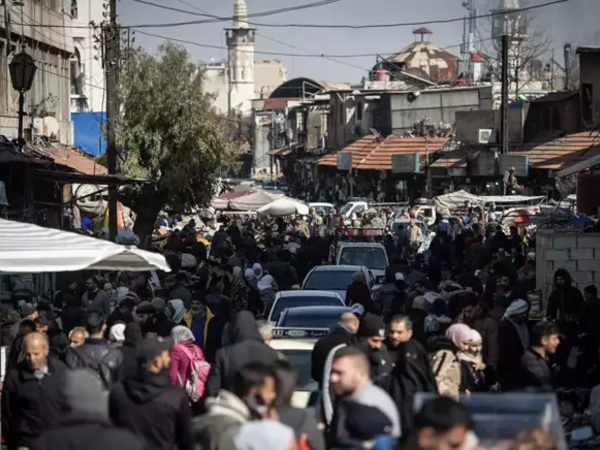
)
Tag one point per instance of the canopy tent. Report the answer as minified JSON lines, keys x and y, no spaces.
{"x":456,"y":202}
{"x":284,"y":206}
{"x":503,"y":199}
{"x":222,"y":201}
{"x":253,"y":201}
{"x":27,"y":248}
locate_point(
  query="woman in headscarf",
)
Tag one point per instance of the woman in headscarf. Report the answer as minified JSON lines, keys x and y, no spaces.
{"x":472,"y":366}
{"x":116,"y":335}
{"x":445,"y":362}
{"x":175,"y":311}
{"x":267,"y":289}
{"x":187,"y":357}
{"x":129,"y":349}
{"x":358,"y":292}
{"x":513,"y":337}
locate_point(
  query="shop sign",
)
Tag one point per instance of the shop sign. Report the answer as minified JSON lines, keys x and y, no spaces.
{"x":409,"y":163}
{"x":344,"y":161}
{"x":519,"y":162}
{"x":484,"y":165}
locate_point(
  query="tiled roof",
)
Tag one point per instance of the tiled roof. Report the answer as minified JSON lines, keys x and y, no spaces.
{"x":456,"y":159}
{"x":561,"y":153}
{"x":373,"y":153}
{"x":73,"y":159}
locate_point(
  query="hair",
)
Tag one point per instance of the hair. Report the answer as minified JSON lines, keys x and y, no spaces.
{"x":592,"y":290}
{"x":265,"y":329}
{"x":43,"y":307}
{"x":36,"y":335}
{"x":181,"y":277}
{"x":543,"y":330}
{"x":28,"y":323}
{"x":286,"y":379}
{"x":251,"y":376}
{"x":402,"y":319}
{"x":443,"y":414}
{"x":133,"y":334}
{"x":93,"y":321}
{"x":536,"y":439}
{"x":41,"y":321}
{"x":85,"y":333}
{"x":71,"y":300}
{"x":438,"y":308}
{"x":356,"y":354}
{"x":466,"y":299}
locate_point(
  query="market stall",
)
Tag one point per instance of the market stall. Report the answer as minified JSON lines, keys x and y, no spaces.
{"x":284,"y":206}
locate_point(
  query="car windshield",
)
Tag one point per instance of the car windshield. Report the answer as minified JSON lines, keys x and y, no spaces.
{"x":291,"y":302}
{"x":328,"y":280}
{"x":317,"y":320}
{"x":299,"y":360}
{"x":347,"y":207}
{"x":373,"y":258}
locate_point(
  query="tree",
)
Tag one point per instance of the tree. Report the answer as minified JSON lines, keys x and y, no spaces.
{"x":170,"y":134}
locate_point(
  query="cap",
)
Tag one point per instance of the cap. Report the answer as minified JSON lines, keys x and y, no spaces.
{"x":152,"y":347}
{"x":357,"y":308}
{"x":371,"y":326}
{"x":145,"y":307}
{"x":399,"y":276}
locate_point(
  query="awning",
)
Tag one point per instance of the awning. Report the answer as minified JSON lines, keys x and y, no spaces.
{"x":253,"y":201}
{"x":284,"y":206}
{"x":28,"y":248}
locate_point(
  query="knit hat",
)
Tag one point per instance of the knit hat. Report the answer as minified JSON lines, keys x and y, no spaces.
{"x":83,"y":392}
{"x":371,"y":326}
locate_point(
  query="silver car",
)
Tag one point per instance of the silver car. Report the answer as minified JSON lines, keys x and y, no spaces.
{"x":335,"y":279}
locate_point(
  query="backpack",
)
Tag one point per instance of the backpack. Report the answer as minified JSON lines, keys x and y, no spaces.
{"x":198,"y":373}
{"x":100,"y":368}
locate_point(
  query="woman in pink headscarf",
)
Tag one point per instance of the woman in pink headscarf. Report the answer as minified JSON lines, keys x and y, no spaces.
{"x":445,"y":362}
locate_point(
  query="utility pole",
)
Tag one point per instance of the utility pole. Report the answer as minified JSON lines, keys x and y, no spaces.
{"x":111,"y":40}
{"x":505,"y":87}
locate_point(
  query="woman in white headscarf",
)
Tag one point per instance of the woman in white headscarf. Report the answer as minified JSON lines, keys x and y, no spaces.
{"x":116,"y":335}
{"x":175,"y":311}
{"x":183,"y":354}
{"x":513,"y":338}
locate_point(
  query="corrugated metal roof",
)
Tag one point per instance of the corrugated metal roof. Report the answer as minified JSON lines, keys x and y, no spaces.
{"x":560,"y":153}
{"x":373,"y":153}
{"x":74,"y":159}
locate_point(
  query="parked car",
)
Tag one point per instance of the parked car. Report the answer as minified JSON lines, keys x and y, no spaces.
{"x":294,"y":299}
{"x":322,"y":209}
{"x":335,"y":279}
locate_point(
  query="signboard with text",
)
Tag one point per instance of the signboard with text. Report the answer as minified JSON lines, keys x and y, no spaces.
{"x":519,"y":162}
{"x":407,"y":163}
{"x":344,"y":161}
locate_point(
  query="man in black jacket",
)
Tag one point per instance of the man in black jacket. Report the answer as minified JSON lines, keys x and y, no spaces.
{"x":535,"y":368}
{"x":345,"y":329}
{"x":96,"y":354}
{"x":32,"y":400}
{"x":149,"y":405}
{"x":246,"y":346}
{"x":86,"y":424}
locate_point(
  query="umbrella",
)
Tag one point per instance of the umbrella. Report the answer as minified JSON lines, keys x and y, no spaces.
{"x":252,"y":202}
{"x":284,"y":206}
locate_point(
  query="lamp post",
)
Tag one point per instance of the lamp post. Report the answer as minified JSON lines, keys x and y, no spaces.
{"x":22,"y":71}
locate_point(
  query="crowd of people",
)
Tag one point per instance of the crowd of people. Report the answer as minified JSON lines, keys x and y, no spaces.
{"x":182,"y":361}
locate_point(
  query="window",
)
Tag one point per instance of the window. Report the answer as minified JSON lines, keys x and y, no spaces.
{"x":291,"y":302}
{"x":74,"y":11}
{"x":359,"y":111}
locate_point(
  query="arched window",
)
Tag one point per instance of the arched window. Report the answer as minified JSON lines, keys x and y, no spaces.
{"x":74,"y":11}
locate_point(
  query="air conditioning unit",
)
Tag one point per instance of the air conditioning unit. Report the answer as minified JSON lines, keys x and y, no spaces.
{"x":487,"y":136}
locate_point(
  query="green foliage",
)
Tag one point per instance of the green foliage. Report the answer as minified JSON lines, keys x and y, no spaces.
{"x":170,"y":132}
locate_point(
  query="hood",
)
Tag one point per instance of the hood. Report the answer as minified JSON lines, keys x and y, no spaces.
{"x":147,"y":386}
{"x":230,"y":405}
{"x":243,"y":328}
{"x":178,"y":310}
{"x":565,"y":275}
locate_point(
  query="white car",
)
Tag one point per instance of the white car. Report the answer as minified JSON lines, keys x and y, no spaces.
{"x":323,"y":209}
{"x":335,"y":279}
{"x":369,"y":254}
{"x":296,"y":346}
{"x":294,"y":299}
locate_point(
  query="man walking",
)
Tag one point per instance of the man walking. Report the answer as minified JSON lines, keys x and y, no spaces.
{"x":32,"y":400}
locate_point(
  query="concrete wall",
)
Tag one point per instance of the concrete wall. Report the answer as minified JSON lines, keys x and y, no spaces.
{"x":578,"y":253}
{"x":267,"y":76}
{"x":342,"y":108}
{"x":468,"y":124}
{"x":439,"y":105}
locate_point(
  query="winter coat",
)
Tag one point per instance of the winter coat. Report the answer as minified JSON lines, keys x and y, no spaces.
{"x":446,"y":367}
{"x":71,"y":317}
{"x":412,"y":373}
{"x":31,"y":406}
{"x":358,"y":292}
{"x":98,"y":356}
{"x":303,"y":421}
{"x":179,"y":368}
{"x":100,"y":302}
{"x":153,"y":409}
{"x":216,"y":429}
{"x":77,"y":431}
{"x":339,"y":335}
{"x":130,"y":365}
{"x":535,"y":371}
{"x":511,"y":351}
{"x":246,"y":346}
{"x":384,"y":300}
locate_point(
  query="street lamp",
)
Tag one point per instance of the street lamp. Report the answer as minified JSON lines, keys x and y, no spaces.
{"x":22,"y":70}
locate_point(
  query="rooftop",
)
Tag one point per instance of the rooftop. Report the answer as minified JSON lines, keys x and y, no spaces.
{"x":375,"y":153}
{"x":560,"y":153}
{"x":72,"y":158}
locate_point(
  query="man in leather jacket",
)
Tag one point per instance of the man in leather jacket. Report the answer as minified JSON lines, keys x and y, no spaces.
{"x":96,"y":354}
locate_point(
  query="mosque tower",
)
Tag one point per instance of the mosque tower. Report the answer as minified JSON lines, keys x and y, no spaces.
{"x":240,"y":44}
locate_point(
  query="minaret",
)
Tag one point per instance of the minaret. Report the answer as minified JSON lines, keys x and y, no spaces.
{"x":240,"y":42}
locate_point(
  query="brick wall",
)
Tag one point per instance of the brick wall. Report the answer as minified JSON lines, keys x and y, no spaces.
{"x":577,"y":252}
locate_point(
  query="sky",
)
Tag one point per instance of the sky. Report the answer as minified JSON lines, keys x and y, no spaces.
{"x":574,"y":21}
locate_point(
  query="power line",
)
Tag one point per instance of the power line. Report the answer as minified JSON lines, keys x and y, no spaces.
{"x":227,"y":19}
{"x":356,"y":27}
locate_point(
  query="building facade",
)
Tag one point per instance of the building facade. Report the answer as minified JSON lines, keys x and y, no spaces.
{"x":40,"y":28}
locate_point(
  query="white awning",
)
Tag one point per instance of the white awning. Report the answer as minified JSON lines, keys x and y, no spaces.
{"x":27,"y":248}
{"x":511,"y":198}
{"x":284,"y":206}
{"x":253,"y":201}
